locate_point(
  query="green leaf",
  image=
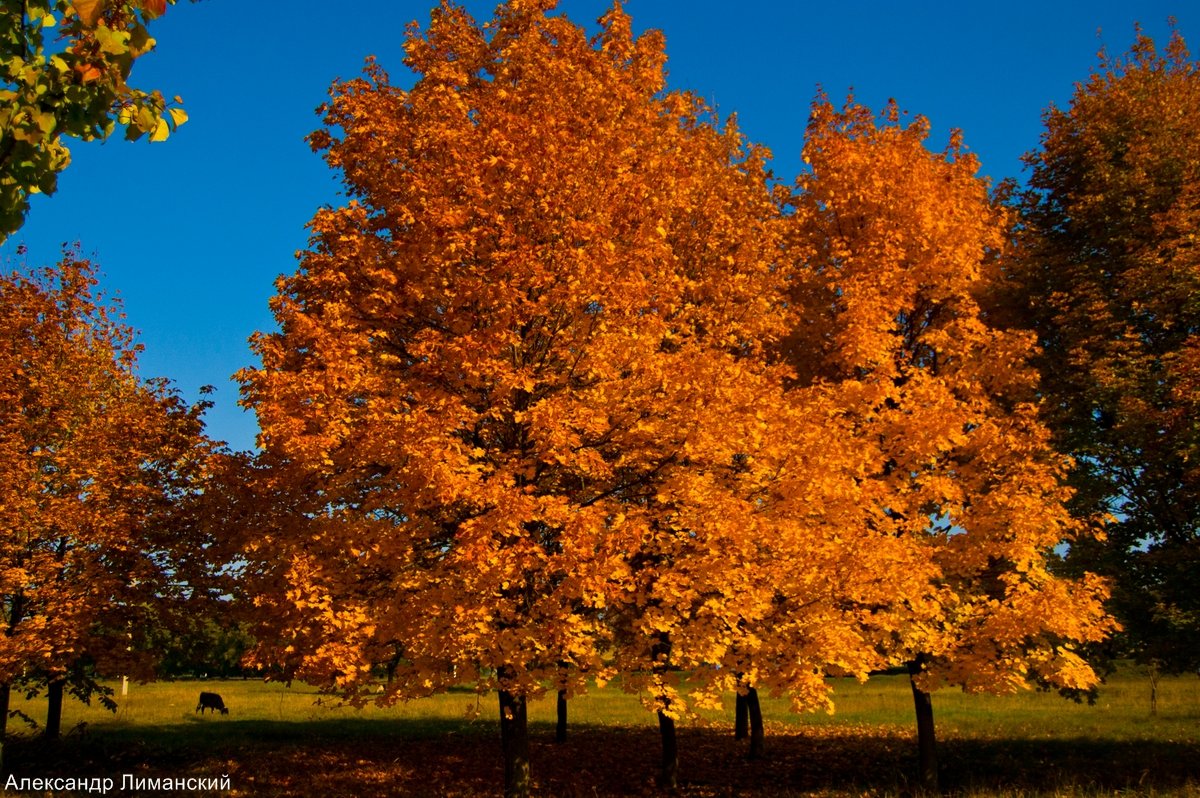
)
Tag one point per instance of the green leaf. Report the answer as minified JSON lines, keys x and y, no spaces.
{"x":48,"y":183}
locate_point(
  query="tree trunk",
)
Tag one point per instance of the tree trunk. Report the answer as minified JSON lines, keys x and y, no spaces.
{"x":54,"y":709}
{"x":391,"y":666}
{"x":560,"y":730}
{"x":1154,"y":689}
{"x":514,"y":740}
{"x":926,"y":741}
{"x":5,"y":693}
{"x":756,"y":723}
{"x":668,"y":776}
{"x":741,"y":718}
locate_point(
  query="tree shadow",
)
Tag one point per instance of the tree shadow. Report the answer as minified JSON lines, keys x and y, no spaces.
{"x":416,"y":757}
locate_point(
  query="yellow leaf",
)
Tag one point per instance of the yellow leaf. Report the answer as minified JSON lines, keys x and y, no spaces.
{"x":161,"y":131}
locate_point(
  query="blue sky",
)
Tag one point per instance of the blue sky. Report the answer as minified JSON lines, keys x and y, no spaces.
{"x":191,"y":233}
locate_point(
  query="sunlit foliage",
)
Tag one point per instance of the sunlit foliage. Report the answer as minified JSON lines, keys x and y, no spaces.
{"x":568,"y":388}
{"x":893,"y":245}
{"x":96,"y":468}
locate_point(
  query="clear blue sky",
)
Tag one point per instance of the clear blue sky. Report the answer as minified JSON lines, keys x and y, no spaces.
{"x":191,"y":233}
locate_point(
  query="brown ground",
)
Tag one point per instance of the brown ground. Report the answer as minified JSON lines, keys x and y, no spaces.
{"x":615,"y":762}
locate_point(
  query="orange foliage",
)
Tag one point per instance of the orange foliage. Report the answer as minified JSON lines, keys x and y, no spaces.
{"x":893,"y":246}
{"x":521,"y":401}
{"x":561,"y":392}
{"x":96,"y":465}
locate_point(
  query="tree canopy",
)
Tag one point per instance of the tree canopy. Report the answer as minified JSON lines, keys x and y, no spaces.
{"x":893,"y":246}
{"x":1108,"y":278}
{"x":520,"y":392}
{"x":570,"y":387}
{"x":96,"y":471}
{"x":564,"y":391}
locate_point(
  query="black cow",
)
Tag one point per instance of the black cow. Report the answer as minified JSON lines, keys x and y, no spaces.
{"x":211,"y":701}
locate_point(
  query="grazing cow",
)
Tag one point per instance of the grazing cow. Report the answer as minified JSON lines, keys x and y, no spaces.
{"x":211,"y":701}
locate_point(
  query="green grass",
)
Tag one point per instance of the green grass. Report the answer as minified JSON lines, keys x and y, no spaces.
{"x":1122,"y":711}
{"x":163,"y":705}
{"x":280,"y":741}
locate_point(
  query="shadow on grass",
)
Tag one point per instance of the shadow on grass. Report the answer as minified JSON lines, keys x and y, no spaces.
{"x":1138,"y":767}
{"x":364,"y":758}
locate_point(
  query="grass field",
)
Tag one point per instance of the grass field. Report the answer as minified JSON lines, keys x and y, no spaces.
{"x":291,"y":741}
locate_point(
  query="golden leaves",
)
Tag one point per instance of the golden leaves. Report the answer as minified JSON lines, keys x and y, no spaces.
{"x":898,"y":242}
{"x":535,"y":370}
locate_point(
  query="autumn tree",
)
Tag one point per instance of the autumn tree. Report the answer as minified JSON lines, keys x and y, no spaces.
{"x":96,"y":468}
{"x":519,"y":422}
{"x":1108,"y":277}
{"x":893,"y":245}
{"x":66,"y":67}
